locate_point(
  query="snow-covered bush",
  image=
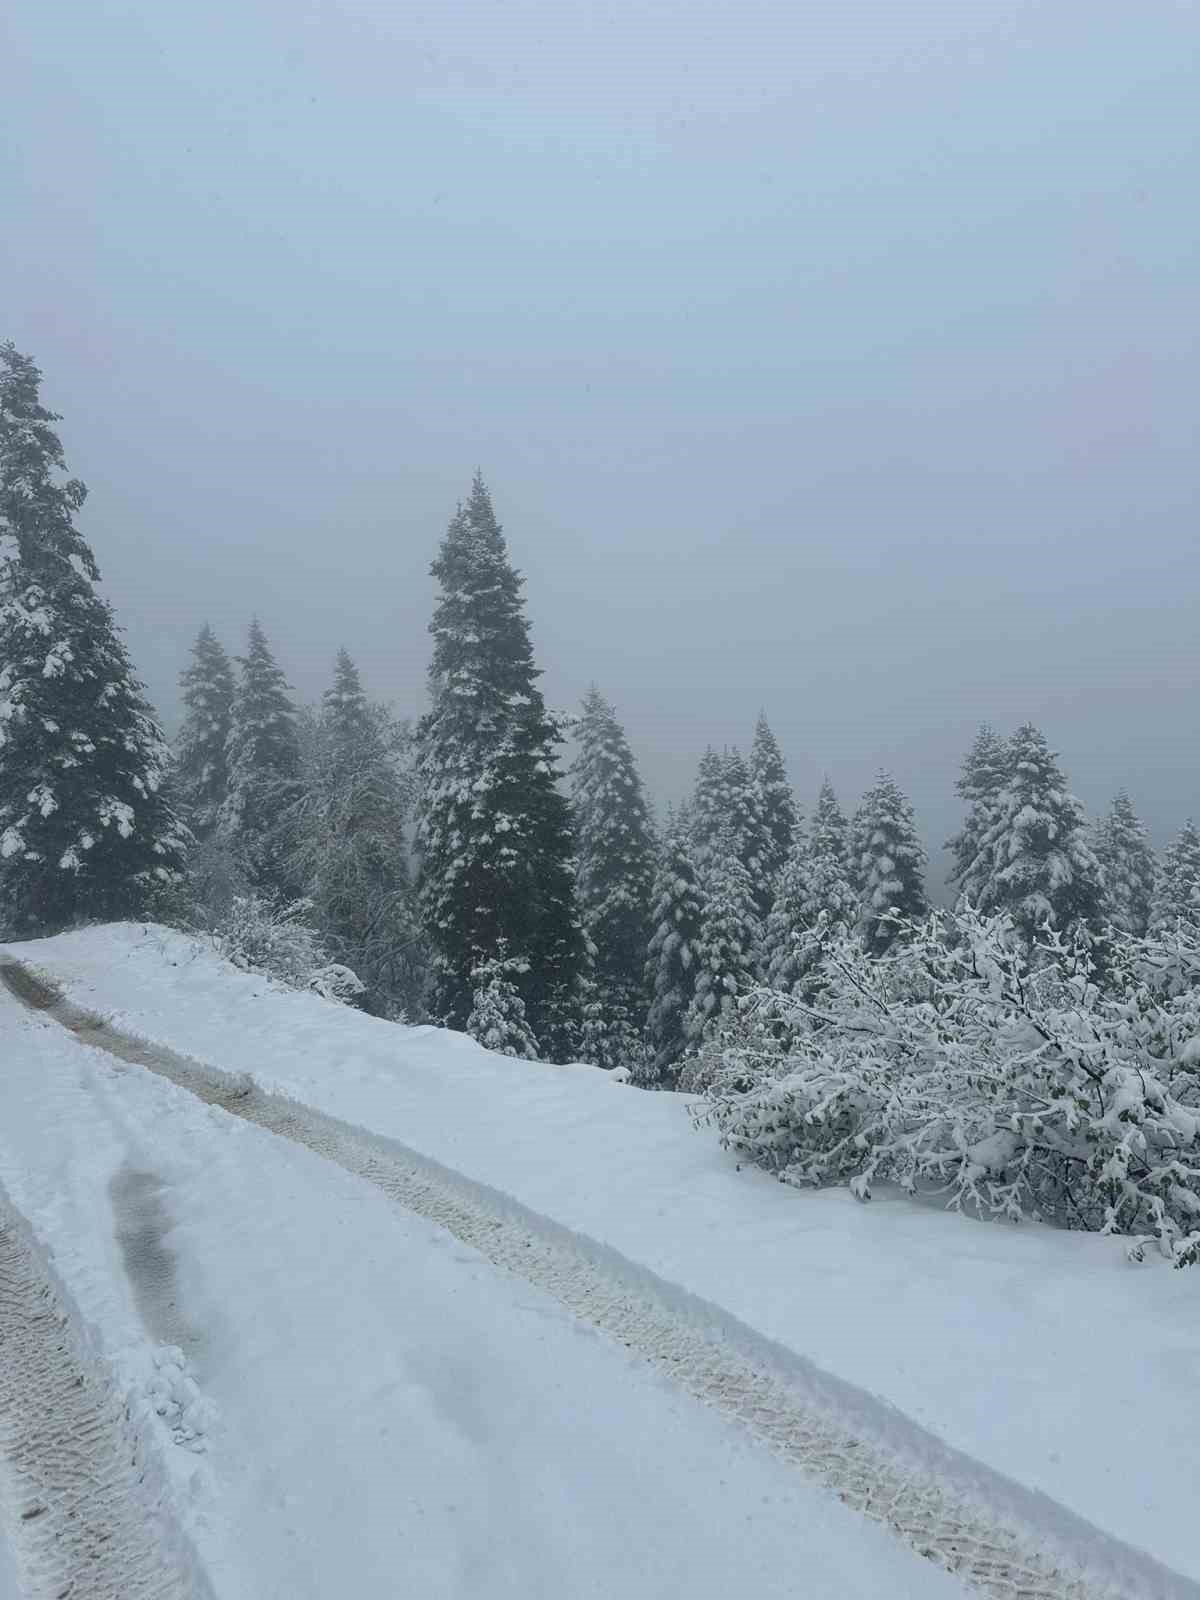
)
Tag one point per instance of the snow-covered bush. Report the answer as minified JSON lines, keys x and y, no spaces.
{"x":956,"y":1064}
{"x":261,"y":935}
{"x":497,"y":1018}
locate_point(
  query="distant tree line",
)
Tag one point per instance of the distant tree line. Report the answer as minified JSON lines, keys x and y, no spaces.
{"x":454,"y":867}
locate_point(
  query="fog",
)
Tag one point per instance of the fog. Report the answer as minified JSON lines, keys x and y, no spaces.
{"x":841,"y":362}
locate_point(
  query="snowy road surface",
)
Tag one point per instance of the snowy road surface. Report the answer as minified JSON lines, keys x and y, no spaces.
{"x":364,"y":1405}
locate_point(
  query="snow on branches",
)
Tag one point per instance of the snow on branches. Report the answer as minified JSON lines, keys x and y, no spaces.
{"x":958,"y":1064}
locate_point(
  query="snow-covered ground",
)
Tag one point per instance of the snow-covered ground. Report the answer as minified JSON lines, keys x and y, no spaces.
{"x":346,"y":1400}
{"x":1047,"y":1358}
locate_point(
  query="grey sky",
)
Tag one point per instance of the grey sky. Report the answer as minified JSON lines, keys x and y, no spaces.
{"x":842,"y":360}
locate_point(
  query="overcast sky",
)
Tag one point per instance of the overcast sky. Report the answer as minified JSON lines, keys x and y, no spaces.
{"x":839,"y":360}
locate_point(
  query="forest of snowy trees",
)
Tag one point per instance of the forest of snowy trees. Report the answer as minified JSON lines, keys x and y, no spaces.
{"x":1033,"y":1050}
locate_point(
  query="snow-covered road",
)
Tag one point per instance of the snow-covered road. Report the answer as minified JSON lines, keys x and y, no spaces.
{"x":329,"y":1395}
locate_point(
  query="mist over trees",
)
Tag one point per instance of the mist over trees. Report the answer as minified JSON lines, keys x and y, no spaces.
{"x":460,"y":872}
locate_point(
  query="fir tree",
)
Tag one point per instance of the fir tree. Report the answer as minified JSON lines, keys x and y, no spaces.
{"x":1040,"y":865}
{"x":729,"y":949}
{"x":889,"y":863}
{"x":672,"y":966}
{"x":776,"y":808}
{"x":1177,"y":892}
{"x":984,"y":774}
{"x":706,"y":810}
{"x":1127,"y":863}
{"x":263,"y":752}
{"x":85,"y":829}
{"x":813,"y":905}
{"x":615,"y":878}
{"x":497,"y":1018}
{"x":349,"y":852}
{"x":726,"y":803}
{"x":201,"y":774}
{"x":495,"y":832}
{"x":830,"y":832}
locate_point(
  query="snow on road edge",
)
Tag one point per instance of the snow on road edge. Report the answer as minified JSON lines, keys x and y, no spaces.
{"x":86,"y":1492}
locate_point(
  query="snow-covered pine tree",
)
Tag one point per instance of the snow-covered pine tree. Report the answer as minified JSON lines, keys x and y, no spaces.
{"x":776,"y":807}
{"x":497,"y":1019}
{"x":706,"y":809}
{"x":201,"y":773}
{"x":1127,"y":863}
{"x":814,"y":904}
{"x":726,"y":802}
{"x":263,"y":752}
{"x":1041,"y":865}
{"x":85,"y":829}
{"x":672,"y":965}
{"x":889,"y":863}
{"x":614,"y":880}
{"x":984,"y":774}
{"x":495,"y":832}
{"x":829,"y":833}
{"x":350,"y":854}
{"x":1177,"y":893}
{"x":729,"y":949}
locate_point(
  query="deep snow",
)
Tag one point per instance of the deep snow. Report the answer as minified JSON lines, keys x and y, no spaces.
{"x":365,"y":1406}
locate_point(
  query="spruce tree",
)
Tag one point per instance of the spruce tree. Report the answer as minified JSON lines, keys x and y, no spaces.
{"x":984,"y":774}
{"x":615,"y":879}
{"x":263,"y":752}
{"x":888,"y":862}
{"x":1177,"y":892}
{"x":349,"y":849}
{"x":85,"y":828}
{"x":495,"y":832}
{"x":1128,"y":867}
{"x":814,"y":902}
{"x":706,"y":810}
{"x":776,"y":807}
{"x":830,"y":832}
{"x":201,"y":775}
{"x":1040,"y":864}
{"x":729,"y":949}
{"x":672,"y":965}
{"x":497,"y":1018}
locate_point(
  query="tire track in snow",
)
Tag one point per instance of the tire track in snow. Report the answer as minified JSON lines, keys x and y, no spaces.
{"x":962,"y":1517}
{"x":72,"y":1469}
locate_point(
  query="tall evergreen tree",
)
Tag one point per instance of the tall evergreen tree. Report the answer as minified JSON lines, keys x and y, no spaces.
{"x":729,"y":949}
{"x":706,"y":810}
{"x":201,"y":774}
{"x":1177,"y":892}
{"x":1127,"y":863}
{"x":495,"y":832}
{"x":1040,"y":864}
{"x":984,"y":774}
{"x":776,"y":806}
{"x":350,"y":853}
{"x":85,"y":829}
{"x":830,"y":832}
{"x":263,"y":752}
{"x":889,"y":863}
{"x":615,"y":878}
{"x":814,"y":902}
{"x":672,"y":965}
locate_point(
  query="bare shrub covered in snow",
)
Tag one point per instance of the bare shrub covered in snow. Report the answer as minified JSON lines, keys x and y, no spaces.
{"x":261,"y":935}
{"x":1016,"y":1086}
